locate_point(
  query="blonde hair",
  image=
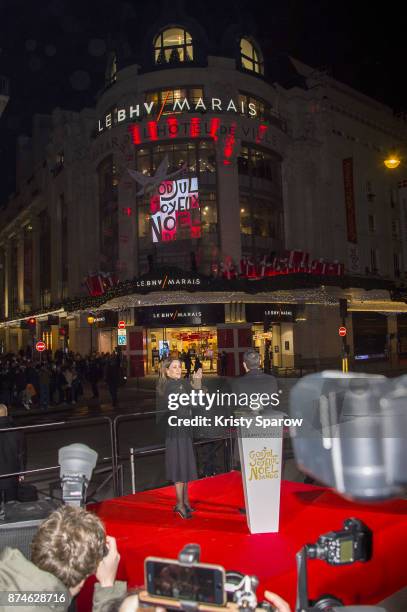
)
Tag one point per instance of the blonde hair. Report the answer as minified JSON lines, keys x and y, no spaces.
{"x":69,"y":544}
{"x":3,"y":410}
{"x":163,"y":375}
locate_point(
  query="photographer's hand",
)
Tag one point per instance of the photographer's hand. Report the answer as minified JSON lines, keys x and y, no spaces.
{"x":277,"y":601}
{"x":107,"y":568}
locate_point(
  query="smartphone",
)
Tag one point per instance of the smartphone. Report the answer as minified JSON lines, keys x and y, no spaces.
{"x":201,"y":582}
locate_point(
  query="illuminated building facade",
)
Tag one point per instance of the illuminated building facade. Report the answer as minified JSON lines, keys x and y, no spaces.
{"x":202,"y":161}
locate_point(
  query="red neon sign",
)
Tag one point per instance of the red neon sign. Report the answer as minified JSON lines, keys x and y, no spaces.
{"x":195,"y":127}
{"x":214,"y":127}
{"x":261,"y":132}
{"x":135,"y":133}
{"x":152,"y":130}
{"x":172,"y":123}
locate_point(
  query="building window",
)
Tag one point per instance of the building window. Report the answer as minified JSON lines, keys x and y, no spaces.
{"x":108,"y":215}
{"x":172,"y":46}
{"x":261,"y":218}
{"x":199,"y":160}
{"x":371,"y":222}
{"x":169,"y":97}
{"x":45,"y":258}
{"x":250,"y":56}
{"x":257,"y":163}
{"x":396,"y":264}
{"x":395,"y":228}
{"x":2,"y":282}
{"x":28,"y":266}
{"x":256,"y":108}
{"x":112,"y":76}
{"x":374,"y":261}
{"x":64,"y":248}
{"x":369,"y":334}
{"x":13,"y":284}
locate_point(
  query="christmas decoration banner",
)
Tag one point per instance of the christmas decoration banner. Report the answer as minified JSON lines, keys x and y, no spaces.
{"x":175,"y":210}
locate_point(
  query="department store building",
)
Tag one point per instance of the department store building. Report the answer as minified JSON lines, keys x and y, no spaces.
{"x":215,"y":198}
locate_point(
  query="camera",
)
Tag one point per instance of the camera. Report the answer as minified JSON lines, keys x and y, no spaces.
{"x":349,"y":545}
{"x":353,"y":543}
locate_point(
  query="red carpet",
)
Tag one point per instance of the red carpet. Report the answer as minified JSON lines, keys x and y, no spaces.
{"x":144,"y":524}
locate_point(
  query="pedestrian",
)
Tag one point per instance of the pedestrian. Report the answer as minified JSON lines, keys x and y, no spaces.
{"x":61,"y":384}
{"x":76,"y":384}
{"x":223,"y":363}
{"x":68,"y":386}
{"x":94,"y":377}
{"x":188,"y":364}
{"x":44,"y":376}
{"x":113,"y":377}
{"x":197,"y":364}
{"x":12,"y":456}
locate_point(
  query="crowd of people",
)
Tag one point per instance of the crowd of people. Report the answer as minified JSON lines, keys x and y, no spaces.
{"x":58,"y":378}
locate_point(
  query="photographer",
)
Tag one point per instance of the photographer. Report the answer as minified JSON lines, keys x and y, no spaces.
{"x":69,"y":546}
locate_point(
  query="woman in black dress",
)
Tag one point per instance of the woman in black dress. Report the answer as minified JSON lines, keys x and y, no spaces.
{"x":180,"y":460}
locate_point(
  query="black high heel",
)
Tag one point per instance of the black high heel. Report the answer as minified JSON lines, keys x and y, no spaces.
{"x":183,"y":514}
{"x":189,"y":509}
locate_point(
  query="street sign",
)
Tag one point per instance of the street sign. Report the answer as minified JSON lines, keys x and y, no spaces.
{"x":342,"y":331}
{"x":121,"y":325}
{"x":121,"y":337}
{"x":40,"y":346}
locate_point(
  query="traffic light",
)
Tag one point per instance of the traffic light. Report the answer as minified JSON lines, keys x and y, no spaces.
{"x":28,"y":324}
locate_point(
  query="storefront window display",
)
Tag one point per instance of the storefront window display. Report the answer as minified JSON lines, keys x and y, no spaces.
{"x":198,"y":342}
{"x":262,"y":341}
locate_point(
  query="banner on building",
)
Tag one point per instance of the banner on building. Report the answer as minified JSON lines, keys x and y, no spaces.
{"x":175,"y":210}
{"x":347,"y":165}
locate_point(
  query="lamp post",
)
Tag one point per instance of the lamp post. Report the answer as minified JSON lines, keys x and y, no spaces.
{"x":392,"y":161}
{"x":91,"y":321}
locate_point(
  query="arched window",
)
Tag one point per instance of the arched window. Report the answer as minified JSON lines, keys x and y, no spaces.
{"x":113,"y":68}
{"x":250,"y":56}
{"x":172,"y":46}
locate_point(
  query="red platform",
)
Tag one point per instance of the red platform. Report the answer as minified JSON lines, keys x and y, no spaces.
{"x":144,"y":524}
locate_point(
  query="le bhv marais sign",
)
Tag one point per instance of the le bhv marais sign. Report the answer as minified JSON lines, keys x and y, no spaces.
{"x":152,"y":110}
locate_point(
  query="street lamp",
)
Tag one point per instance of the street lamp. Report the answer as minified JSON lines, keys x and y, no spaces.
{"x":392,"y":162}
{"x":91,"y":321}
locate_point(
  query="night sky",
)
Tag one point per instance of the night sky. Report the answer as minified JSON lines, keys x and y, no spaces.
{"x":54,"y":51}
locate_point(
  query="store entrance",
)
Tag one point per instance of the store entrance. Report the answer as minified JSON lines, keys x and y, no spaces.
{"x":262,"y":341}
{"x":178,"y":342}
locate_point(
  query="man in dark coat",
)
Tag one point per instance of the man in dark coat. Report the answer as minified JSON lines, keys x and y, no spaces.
{"x":113,"y":377}
{"x":254,"y":383}
{"x":254,"y":380}
{"x":12,"y":455}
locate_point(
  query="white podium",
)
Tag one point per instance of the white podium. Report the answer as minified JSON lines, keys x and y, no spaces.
{"x":261,"y":457}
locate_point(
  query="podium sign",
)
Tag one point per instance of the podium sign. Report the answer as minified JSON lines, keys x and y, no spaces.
{"x":261,"y":455}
